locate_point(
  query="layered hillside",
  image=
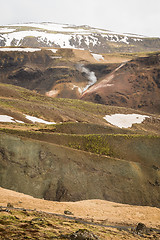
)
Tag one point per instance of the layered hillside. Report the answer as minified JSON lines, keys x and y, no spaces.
{"x":127,"y":80}
{"x":134,"y":84}
{"x":71,"y":36}
{"x":78,"y":122}
{"x":54,"y":72}
{"x":67,"y":150}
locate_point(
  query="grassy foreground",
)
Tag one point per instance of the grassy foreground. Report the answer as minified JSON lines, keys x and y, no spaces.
{"x":24,"y":224}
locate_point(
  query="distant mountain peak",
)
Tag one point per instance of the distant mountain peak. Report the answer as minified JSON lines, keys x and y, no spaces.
{"x":49,"y":34}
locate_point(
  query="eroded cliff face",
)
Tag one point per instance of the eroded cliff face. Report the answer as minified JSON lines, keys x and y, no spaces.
{"x":55,"y":172}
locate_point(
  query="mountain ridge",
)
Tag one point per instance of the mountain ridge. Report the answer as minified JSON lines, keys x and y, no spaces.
{"x":72,"y":36}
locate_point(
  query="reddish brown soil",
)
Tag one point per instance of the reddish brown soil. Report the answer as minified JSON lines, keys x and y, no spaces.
{"x":95,"y":210}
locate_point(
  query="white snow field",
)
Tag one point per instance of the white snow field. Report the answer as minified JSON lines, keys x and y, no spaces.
{"x":39,"y":120}
{"x":61,"y":34}
{"x":125,"y":120}
{"x":60,"y":39}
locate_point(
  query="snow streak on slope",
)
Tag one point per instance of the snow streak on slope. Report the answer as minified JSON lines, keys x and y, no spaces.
{"x":6,"y":118}
{"x":38,"y":120}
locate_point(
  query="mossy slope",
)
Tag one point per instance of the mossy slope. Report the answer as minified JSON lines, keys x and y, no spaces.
{"x":55,"y":172}
{"x":84,"y":157}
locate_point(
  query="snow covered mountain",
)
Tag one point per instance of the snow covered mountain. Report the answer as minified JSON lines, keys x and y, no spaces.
{"x":71,"y":36}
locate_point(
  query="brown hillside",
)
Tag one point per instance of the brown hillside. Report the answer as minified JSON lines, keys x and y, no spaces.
{"x":120,"y":82}
{"x":134,"y":84}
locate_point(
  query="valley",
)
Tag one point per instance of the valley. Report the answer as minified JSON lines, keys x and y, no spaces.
{"x":79,"y":133}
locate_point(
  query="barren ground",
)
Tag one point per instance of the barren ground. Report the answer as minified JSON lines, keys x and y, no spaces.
{"x":95,"y":210}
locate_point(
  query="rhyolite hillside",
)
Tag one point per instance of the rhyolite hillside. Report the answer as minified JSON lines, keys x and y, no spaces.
{"x":80,"y":155}
{"x":127,"y":80}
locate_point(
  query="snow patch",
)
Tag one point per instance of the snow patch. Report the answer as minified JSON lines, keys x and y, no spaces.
{"x":18,"y":121}
{"x":137,"y":39}
{"x":97,"y":57}
{"x":9,"y":119}
{"x":53,"y":50}
{"x":39,"y":120}
{"x":125,"y":120}
{"x":116,"y":38}
{"x":125,"y":40}
{"x":6,"y":118}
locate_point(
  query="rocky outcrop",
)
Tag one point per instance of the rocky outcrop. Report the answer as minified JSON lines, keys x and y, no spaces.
{"x":55,"y":172}
{"x":81,"y":234}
